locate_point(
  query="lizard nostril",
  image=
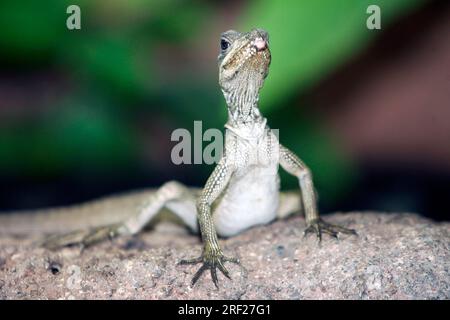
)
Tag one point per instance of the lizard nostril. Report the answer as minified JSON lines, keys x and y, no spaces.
{"x":260,"y":44}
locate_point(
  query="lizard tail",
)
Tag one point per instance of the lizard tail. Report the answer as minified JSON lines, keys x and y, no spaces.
{"x":102,"y":212}
{"x":33,"y":222}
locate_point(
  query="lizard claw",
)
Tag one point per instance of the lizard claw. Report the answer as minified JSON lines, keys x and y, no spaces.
{"x":211,"y":262}
{"x":319,"y":227}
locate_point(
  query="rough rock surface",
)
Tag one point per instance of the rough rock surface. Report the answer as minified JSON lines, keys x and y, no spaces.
{"x":395,"y":256}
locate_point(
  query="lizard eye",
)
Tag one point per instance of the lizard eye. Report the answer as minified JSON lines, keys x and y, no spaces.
{"x":224,"y":44}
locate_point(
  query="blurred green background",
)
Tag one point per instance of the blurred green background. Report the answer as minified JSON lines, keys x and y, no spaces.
{"x":88,"y":112}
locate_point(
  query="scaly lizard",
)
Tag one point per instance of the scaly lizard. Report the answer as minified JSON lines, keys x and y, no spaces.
{"x":243,"y":190}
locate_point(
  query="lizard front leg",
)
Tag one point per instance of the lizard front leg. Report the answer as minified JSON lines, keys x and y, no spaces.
{"x":293,"y":165}
{"x":212,"y":256}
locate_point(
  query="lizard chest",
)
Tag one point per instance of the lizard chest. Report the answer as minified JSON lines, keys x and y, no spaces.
{"x":252,"y":194}
{"x":249,"y":200}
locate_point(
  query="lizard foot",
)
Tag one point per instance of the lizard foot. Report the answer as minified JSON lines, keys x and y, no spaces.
{"x":212,"y":261}
{"x":318,"y":226}
{"x":84,"y":238}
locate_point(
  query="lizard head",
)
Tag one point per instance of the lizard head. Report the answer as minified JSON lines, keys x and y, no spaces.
{"x":244,"y":61}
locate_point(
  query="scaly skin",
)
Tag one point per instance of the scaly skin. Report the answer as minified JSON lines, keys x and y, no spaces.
{"x":243,"y":190}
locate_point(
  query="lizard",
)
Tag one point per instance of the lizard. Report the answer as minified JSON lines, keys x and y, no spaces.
{"x":243,"y":190}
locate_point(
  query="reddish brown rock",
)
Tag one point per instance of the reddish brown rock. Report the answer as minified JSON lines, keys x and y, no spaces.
{"x":395,"y":256}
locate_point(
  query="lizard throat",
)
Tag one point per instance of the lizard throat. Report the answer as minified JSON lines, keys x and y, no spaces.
{"x":242,"y":106}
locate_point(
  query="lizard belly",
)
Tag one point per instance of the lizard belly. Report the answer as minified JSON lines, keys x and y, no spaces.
{"x":250,"y":200}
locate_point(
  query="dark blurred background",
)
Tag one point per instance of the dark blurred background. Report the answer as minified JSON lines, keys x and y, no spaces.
{"x":89,"y":112}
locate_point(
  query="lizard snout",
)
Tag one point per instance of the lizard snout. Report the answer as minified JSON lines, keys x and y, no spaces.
{"x":260,"y":44}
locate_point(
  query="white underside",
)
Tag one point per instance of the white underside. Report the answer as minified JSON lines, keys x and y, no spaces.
{"x":255,"y":200}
